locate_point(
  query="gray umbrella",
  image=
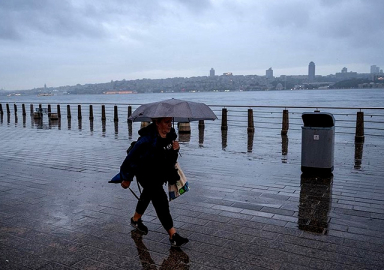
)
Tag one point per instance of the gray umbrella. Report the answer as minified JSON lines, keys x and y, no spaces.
{"x":181,"y":111}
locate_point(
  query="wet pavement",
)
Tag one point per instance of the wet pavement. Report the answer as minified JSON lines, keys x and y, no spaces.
{"x":249,"y":206}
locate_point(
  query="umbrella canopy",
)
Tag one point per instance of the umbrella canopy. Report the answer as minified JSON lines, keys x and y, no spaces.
{"x":181,"y":111}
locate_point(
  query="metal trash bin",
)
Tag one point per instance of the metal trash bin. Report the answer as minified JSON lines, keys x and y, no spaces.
{"x":318,"y":137}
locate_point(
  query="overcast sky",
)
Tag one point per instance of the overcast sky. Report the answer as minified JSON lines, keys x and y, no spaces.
{"x":61,"y":42}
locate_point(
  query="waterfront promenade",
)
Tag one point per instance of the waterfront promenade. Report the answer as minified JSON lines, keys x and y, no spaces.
{"x":249,"y":206}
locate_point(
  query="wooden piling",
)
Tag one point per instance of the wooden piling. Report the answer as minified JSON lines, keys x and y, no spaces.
{"x":224,"y":119}
{"x":8,"y":111}
{"x":129,"y":122}
{"x":115,"y":114}
{"x":359,"y":137}
{"x":91,"y":112}
{"x":31,"y":108}
{"x":51,"y":115}
{"x":58,"y":111}
{"x":69,"y":113}
{"x":201,"y":124}
{"x":1,"y":109}
{"x":15,"y":108}
{"x":129,"y":113}
{"x":79,"y":112}
{"x":103,"y":118}
{"x":184,"y":128}
{"x":285,"y":124}
{"x":251,"y":127}
{"x":23,"y":110}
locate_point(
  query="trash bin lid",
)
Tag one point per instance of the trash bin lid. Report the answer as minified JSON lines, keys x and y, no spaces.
{"x":318,"y":119}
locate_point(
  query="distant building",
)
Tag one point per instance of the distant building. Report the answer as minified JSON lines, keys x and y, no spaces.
{"x":227,"y":74}
{"x":375,"y":69}
{"x":269,"y":73}
{"x":311,"y":72}
{"x":212,"y":73}
{"x":345,"y":75}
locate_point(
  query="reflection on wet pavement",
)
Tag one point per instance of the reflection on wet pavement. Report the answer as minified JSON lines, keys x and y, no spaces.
{"x":57,"y":210}
{"x":130,"y":129}
{"x":284,"y":148}
{"x":116,"y":129}
{"x":201,"y":136}
{"x":91,"y":126}
{"x":103,"y":127}
{"x":184,"y":137}
{"x":358,"y":155}
{"x":251,"y":135}
{"x":177,"y":258}
{"x":224,"y":139}
{"x":315,"y":202}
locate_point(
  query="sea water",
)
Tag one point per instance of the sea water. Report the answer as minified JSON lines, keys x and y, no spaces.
{"x":322,"y":98}
{"x":266,"y":143}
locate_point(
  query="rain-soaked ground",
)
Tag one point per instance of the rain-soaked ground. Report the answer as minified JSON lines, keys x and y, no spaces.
{"x":249,"y":206}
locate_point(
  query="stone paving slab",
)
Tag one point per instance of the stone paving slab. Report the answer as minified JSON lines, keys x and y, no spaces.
{"x":244,"y":210}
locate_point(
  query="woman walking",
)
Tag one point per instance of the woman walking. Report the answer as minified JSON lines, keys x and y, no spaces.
{"x":152,"y":160}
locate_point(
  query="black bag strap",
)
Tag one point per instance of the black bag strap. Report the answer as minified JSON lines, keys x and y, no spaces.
{"x":134,"y":194}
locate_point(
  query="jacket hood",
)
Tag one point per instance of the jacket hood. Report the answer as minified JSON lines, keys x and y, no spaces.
{"x":152,"y":131}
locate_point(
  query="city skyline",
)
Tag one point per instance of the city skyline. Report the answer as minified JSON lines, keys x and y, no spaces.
{"x":67,"y":43}
{"x":269,"y":75}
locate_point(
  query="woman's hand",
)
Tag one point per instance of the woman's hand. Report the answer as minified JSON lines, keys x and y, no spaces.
{"x":125,"y":184}
{"x":175,"y":145}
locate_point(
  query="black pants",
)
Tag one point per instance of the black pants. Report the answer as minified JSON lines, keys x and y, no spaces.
{"x":157,"y":195}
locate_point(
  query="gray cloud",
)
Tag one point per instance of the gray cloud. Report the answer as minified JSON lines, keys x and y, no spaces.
{"x":69,"y":42}
{"x":26,"y":19}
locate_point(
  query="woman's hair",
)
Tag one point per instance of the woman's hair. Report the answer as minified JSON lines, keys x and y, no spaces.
{"x":156,"y":120}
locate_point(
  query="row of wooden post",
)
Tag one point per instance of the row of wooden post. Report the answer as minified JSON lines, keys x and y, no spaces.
{"x":359,"y":136}
{"x":251,"y":126}
{"x":58,"y":113}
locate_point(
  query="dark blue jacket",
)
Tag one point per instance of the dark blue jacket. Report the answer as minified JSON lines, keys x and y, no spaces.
{"x":152,"y":159}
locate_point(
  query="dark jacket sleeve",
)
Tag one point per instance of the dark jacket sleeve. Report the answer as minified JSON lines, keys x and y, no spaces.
{"x":131,"y":163}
